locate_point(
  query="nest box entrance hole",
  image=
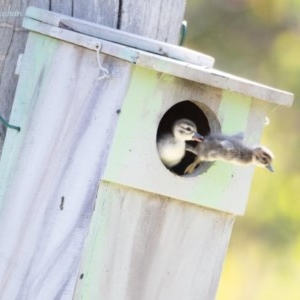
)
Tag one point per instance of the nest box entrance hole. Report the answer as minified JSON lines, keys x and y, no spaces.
{"x":205,"y":121}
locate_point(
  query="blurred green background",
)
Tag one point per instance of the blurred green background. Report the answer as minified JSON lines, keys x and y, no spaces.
{"x":260,"y":40}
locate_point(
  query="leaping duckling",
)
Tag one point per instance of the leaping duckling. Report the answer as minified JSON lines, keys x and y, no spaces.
{"x":172,"y":146}
{"x":230,"y":149}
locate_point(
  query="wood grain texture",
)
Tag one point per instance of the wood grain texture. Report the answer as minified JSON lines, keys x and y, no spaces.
{"x":182,"y":63}
{"x":104,"y":12}
{"x":50,"y":170}
{"x":63,"y":7}
{"x":144,"y":246}
{"x":168,"y":15}
{"x":13,"y":38}
{"x":39,"y":20}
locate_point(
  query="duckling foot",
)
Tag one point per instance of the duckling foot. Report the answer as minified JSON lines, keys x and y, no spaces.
{"x":191,"y":168}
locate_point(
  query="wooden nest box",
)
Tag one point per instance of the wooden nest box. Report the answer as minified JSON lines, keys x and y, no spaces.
{"x":88,"y":210}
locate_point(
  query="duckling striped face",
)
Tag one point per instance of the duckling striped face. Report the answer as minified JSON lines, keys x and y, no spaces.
{"x":186,"y":130}
{"x":263,"y":157}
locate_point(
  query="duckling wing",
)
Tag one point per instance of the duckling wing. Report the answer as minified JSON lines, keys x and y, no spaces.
{"x":227,"y":145}
{"x":239,"y":136}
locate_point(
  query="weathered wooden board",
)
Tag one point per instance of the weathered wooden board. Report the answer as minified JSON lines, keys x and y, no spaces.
{"x":169,"y":16}
{"x":117,"y":36}
{"x":181,"y":69}
{"x":50,"y":170}
{"x":144,"y":246}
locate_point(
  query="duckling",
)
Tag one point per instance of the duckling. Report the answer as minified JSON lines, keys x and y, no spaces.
{"x":230,"y":149}
{"x":172,"y":146}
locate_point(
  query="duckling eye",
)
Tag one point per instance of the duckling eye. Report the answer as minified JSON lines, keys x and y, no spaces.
{"x":189,"y":129}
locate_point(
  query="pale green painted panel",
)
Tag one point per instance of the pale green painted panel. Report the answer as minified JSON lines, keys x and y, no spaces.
{"x":139,"y":112}
{"x":233,"y":114}
{"x":144,"y":97}
{"x":134,"y":161}
{"x":234,"y":111}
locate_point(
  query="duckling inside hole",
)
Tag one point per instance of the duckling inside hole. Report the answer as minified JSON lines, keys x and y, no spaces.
{"x":176,"y":134}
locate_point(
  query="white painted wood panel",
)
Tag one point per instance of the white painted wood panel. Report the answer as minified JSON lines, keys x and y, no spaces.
{"x":50,"y":170}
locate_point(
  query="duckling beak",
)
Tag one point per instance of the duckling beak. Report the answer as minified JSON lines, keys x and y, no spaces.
{"x":270,"y":168}
{"x":198,"y":137}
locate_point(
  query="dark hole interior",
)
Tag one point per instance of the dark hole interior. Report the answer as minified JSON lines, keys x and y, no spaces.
{"x":189,"y":110}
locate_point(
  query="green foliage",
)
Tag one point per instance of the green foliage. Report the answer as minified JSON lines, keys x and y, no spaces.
{"x":260,"y":40}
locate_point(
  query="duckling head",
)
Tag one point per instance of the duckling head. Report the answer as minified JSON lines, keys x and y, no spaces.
{"x":263,"y":157}
{"x":186,"y":130}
